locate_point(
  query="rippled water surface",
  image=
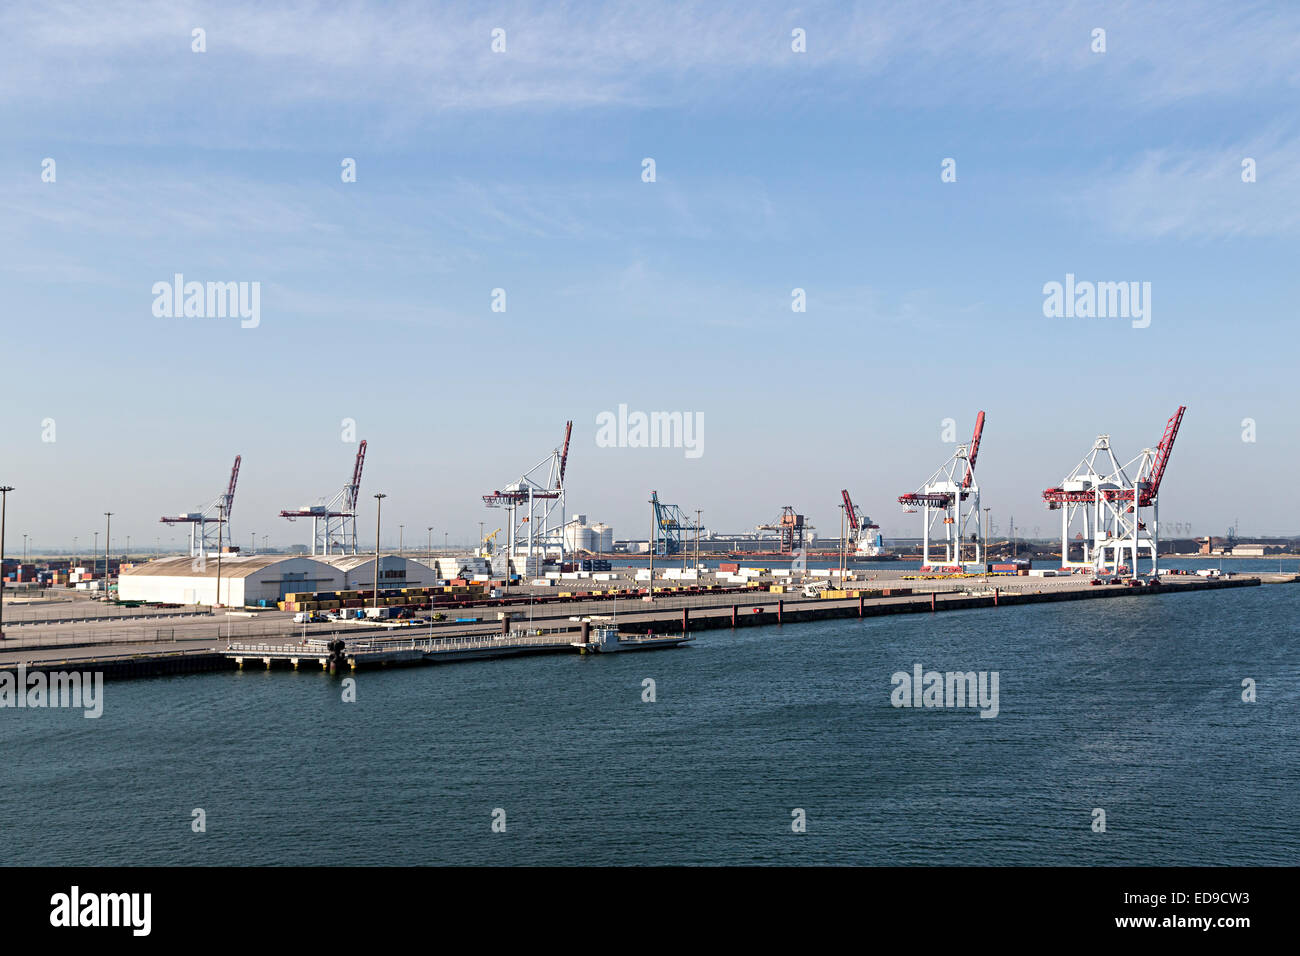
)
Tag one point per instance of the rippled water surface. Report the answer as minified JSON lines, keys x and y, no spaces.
{"x":1132,"y":705}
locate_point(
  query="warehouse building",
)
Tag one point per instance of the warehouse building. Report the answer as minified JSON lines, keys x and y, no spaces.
{"x":358,"y":572}
{"x":246,"y":580}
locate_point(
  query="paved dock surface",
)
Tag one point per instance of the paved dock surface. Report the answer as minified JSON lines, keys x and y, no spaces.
{"x":209,"y":636}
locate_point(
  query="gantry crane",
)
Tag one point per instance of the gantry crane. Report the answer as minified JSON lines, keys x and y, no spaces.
{"x":952,"y":492}
{"x":790,"y":528}
{"x":334,"y":522}
{"x":670,"y":527}
{"x":1100,"y":490}
{"x":540,"y":499}
{"x":205,"y":524}
{"x":866,"y":533}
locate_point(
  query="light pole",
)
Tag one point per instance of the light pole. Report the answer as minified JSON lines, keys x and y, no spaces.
{"x":221,"y":524}
{"x":108,"y":537}
{"x":379,"y":510}
{"x":24,"y":549}
{"x":844,"y":548}
{"x":698,"y":512}
{"x":654,"y":536}
{"x":430,"y":530}
{"x":252,"y":535}
{"x":94,"y":555}
{"x":76,"y":553}
{"x":401,"y":538}
{"x":4,"y":501}
{"x":985,"y":562}
{"x":265,"y":538}
{"x":445,"y":545}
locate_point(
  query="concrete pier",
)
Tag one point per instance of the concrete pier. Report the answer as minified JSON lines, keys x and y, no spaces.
{"x":552,"y":628}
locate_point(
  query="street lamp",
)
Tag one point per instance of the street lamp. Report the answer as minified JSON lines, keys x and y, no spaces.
{"x":108,"y":537}
{"x":985,"y":562}
{"x":4,"y":501}
{"x":379,"y":510}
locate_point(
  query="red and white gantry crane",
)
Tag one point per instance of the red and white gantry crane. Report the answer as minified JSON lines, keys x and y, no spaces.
{"x":334,"y":521}
{"x":1109,"y":497}
{"x":541,"y":499}
{"x":953,"y":493}
{"x":205,"y":524}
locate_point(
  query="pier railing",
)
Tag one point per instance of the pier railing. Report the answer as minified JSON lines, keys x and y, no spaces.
{"x":359,"y":647}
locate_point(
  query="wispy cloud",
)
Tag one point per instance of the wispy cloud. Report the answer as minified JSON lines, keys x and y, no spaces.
{"x":398,"y":62}
{"x":1200,"y":193}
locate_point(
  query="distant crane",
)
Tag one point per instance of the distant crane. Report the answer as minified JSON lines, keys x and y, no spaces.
{"x":790,"y":528}
{"x":334,"y":522}
{"x":1101,"y":490}
{"x":205,"y":524}
{"x":542,"y":502}
{"x":944,"y":493}
{"x":671,"y":525}
{"x":862,"y":528}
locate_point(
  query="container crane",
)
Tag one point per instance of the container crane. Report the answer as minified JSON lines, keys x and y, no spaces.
{"x":334,"y":521}
{"x":1101,"y":490}
{"x":671,"y":525}
{"x":542,"y":502}
{"x":952,"y":492}
{"x":866,"y":533}
{"x":790,"y":527}
{"x":205,"y":524}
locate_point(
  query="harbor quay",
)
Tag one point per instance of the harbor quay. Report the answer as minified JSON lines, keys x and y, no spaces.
{"x":523,"y":624}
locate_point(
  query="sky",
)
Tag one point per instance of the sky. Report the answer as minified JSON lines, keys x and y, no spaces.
{"x":523,"y":170}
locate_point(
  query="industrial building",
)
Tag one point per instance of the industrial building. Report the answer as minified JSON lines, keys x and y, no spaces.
{"x":245,"y":579}
{"x":394,"y":571}
{"x":594,"y":538}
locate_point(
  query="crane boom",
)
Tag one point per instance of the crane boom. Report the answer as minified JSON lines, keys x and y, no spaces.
{"x":356,"y":474}
{"x":230,"y":491}
{"x":1163,"y":451}
{"x":973,"y":451}
{"x":848,"y":508}
{"x":564,"y":455}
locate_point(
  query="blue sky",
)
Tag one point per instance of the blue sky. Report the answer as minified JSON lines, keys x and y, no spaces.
{"x":522,"y":170}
